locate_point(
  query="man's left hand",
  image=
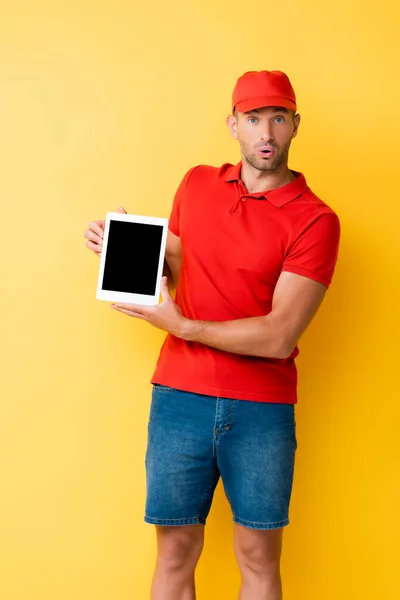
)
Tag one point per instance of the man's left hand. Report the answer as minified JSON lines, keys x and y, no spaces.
{"x":166,"y":316}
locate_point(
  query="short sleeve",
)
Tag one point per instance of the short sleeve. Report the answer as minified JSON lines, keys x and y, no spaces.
{"x":174,"y":218}
{"x":315,"y":251}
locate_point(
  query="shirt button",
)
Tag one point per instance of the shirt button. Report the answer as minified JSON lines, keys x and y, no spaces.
{"x":244,"y":199}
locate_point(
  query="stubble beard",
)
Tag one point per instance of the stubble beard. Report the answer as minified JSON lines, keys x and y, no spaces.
{"x":265,"y":164}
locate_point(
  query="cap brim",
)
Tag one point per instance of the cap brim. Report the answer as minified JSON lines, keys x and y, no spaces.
{"x":261,"y":101}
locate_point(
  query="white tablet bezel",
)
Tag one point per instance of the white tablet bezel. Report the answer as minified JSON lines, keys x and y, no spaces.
{"x":115,"y":296}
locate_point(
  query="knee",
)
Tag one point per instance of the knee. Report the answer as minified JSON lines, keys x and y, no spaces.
{"x":255,"y":560}
{"x":178,"y":549}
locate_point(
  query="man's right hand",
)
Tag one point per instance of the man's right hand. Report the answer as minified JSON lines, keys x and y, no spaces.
{"x":95,"y":234}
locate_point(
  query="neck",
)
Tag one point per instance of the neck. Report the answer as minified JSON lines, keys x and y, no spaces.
{"x":262,"y":181}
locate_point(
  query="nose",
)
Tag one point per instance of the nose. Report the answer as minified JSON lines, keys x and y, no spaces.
{"x":267,"y":135}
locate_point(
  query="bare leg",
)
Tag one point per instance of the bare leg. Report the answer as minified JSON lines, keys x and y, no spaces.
{"x":258,"y":554}
{"x":179,"y":549}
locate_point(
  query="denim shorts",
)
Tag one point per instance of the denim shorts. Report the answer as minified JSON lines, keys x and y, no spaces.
{"x":193,"y":440}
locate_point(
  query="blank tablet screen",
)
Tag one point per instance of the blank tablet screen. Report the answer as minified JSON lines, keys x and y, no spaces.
{"x":133,"y":254}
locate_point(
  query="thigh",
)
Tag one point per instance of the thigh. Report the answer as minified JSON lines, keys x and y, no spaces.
{"x":181,"y":471}
{"x":257,"y":546}
{"x":181,"y":543}
{"x":256,"y":460}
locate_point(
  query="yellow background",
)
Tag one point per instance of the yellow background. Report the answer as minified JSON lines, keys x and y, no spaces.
{"x":108,"y":103}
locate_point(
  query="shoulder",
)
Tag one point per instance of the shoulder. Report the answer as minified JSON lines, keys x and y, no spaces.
{"x":312,"y":208}
{"x":318,"y":205}
{"x":208,"y":173}
{"x":311,"y":219}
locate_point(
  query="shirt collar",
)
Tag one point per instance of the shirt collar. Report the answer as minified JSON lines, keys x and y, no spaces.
{"x":277,"y":196}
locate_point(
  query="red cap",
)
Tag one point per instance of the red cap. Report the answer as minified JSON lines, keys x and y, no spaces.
{"x":256,"y":89}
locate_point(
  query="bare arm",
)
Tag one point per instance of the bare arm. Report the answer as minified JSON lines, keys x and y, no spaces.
{"x":295,"y":302}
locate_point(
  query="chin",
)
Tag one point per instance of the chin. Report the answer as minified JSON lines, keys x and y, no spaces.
{"x":266,"y":165}
{"x":263,"y":164}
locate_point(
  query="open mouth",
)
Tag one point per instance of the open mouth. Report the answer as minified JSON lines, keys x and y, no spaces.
{"x":266,"y":152}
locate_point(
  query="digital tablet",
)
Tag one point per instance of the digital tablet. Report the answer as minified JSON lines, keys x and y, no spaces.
{"x":132,"y":259}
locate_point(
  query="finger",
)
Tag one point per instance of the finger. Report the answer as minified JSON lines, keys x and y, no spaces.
{"x":130,"y":313}
{"x":93,"y":237}
{"x":137,"y":308}
{"x":121,"y":210}
{"x":97,"y":227}
{"x":95,"y":247}
{"x":164,"y":287}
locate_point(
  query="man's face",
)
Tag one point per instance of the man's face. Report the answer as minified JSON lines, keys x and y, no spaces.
{"x":264,"y":135}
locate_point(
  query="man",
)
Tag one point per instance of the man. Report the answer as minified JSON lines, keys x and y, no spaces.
{"x":252,"y":251}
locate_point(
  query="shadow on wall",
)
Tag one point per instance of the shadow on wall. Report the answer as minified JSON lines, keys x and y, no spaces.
{"x":329,"y":376}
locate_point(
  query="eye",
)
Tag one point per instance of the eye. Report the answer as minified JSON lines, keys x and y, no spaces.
{"x":279,"y":119}
{"x":252,"y":120}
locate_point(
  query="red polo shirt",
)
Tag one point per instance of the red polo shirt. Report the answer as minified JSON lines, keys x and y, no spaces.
{"x":235,"y":246}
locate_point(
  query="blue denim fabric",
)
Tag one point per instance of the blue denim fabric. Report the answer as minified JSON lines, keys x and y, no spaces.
{"x":195,"y":439}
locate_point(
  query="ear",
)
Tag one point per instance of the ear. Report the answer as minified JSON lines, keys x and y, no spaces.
{"x":296,"y":121}
{"x":231,"y":121}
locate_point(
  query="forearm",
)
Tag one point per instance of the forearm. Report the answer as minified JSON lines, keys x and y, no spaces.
{"x":255,"y":336}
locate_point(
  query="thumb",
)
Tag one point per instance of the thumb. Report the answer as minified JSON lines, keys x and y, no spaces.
{"x":164,"y":286}
{"x":121,"y":210}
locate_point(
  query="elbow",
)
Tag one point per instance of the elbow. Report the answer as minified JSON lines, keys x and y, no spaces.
{"x":284,"y":352}
{"x":281,"y":350}
{"x":278,"y":338}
